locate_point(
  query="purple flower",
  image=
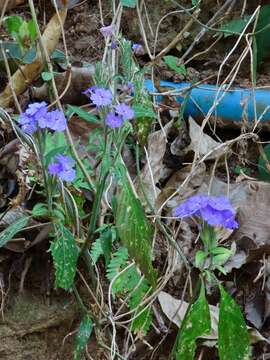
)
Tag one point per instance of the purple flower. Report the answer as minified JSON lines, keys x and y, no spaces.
{"x":29,"y":120}
{"x":114,"y":45}
{"x":215,"y":210}
{"x":138,"y":49}
{"x":99,"y":96}
{"x":125,"y":111}
{"x":37,"y":117}
{"x":56,"y":120}
{"x":63,"y":168}
{"x":108,"y":31}
{"x":114,"y":121}
{"x":28,"y":124}
{"x":37,"y":109}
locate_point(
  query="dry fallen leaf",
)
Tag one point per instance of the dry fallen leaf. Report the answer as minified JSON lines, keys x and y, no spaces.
{"x":81,"y":79}
{"x":202,"y":144}
{"x":24,"y":76}
{"x":152,"y":170}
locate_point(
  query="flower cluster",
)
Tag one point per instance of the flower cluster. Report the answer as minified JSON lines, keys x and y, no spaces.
{"x":215,"y":210}
{"x":102,"y":97}
{"x":37,"y":116}
{"x":63,"y":168}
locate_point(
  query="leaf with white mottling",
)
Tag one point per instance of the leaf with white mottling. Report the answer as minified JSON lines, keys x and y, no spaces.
{"x":196,"y":323}
{"x":233,"y":338}
{"x":82,"y":337}
{"x":134,"y":231}
{"x":65,"y":255}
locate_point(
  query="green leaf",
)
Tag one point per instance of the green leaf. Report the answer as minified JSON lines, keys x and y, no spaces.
{"x":106,"y":244}
{"x":32,"y":29}
{"x":263,"y":173}
{"x":129,"y":3}
{"x":12,"y":230}
{"x":117,"y":262}
{"x":197,"y":322}
{"x":233,"y":338}
{"x":46,"y":76}
{"x":13,"y":23}
{"x":13,"y":51}
{"x":141,"y":324}
{"x":65,"y":255}
{"x":134,"y":231}
{"x":262,"y":39}
{"x":82,"y":114}
{"x":40,"y":210}
{"x":234,"y":26}
{"x":82,"y":337}
{"x":143,"y":111}
{"x":200,"y":258}
{"x":96,"y":251}
{"x":126,"y":58}
{"x":172,"y":62}
{"x":221,"y":259}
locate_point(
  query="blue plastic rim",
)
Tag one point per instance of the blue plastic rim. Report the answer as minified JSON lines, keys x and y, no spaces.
{"x":233,"y":105}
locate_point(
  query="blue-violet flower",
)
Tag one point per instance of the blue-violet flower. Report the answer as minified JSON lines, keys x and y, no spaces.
{"x":137,"y":49}
{"x":33,"y":115}
{"x":63,"y":168}
{"x":108,"y":31}
{"x":99,"y":96}
{"x":56,"y":120}
{"x":125,"y":111}
{"x":37,"y":116}
{"x":215,"y":210}
{"x":114,"y":121}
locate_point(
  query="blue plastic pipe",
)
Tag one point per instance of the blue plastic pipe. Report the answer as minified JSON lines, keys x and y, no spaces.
{"x":233,"y":105}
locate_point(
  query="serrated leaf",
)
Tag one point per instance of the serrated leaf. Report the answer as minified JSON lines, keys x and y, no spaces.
{"x":134,"y":231}
{"x":196,"y":323}
{"x":117,"y":262}
{"x":143,"y":111}
{"x":141,"y":324}
{"x":106,"y":244}
{"x":172,"y":62}
{"x":96,"y":251}
{"x":65,"y":255}
{"x":82,"y":337}
{"x":82,"y":114}
{"x":12,"y":230}
{"x":129,"y":3}
{"x":233,"y":338}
